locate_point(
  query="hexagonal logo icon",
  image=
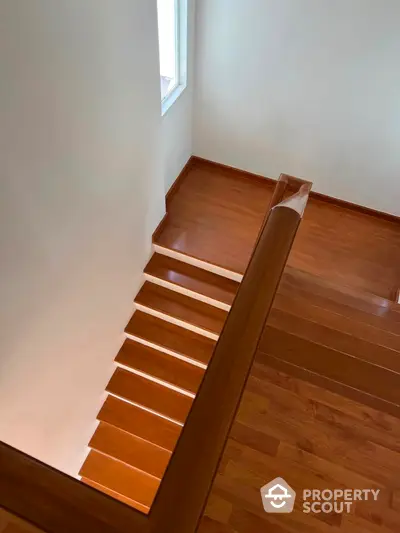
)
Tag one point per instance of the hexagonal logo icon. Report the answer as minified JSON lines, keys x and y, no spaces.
{"x":278,"y":496}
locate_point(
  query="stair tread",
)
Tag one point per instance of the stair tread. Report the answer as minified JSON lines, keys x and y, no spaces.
{"x":160,"y":365}
{"x":152,"y":395}
{"x":169,"y":336}
{"x":181,"y":307}
{"x":139,"y":422}
{"x":295,"y":305}
{"x":119,"y":477}
{"x":130,"y":449}
{"x":343,"y":300}
{"x":332,"y":338}
{"x":143,"y":508}
{"x":342,"y":292}
{"x":192,"y":278}
{"x":333,"y":364}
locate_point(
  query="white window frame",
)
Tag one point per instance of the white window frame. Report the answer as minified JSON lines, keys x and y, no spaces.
{"x":181,"y":41}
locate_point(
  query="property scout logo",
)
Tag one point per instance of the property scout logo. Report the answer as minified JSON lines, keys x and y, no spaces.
{"x":279,"y":497}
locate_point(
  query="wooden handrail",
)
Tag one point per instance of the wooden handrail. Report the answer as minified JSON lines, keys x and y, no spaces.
{"x":58,"y":503}
{"x":285,"y":184}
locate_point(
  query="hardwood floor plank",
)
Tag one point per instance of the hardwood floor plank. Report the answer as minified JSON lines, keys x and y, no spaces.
{"x":192,"y":278}
{"x":334,"y":409}
{"x":307,"y":310}
{"x":294,"y":280}
{"x":337,"y":340}
{"x":333,"y":364}
{"x":182,"y":307}
{"x":149,"y":394}
{"x":179,"y":340}
{"x":160,"y":365}
{"x":141,"y":423}
{"x":386,"y":321}
{"x":130,"y":449}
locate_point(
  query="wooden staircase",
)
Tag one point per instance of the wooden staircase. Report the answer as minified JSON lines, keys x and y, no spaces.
{"x":180,"y":312}
{"x":335,"y":336}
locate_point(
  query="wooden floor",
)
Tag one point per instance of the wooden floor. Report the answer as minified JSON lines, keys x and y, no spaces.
{"x":314,"y":439}
{"x":332,"y":429}
{"x":216,"y":214}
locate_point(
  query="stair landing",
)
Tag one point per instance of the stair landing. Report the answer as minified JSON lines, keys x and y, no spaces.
{"x":216,"y":213}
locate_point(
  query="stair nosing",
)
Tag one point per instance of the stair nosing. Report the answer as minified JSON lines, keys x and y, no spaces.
{"x":133,"y":435}
{"x":200,"y":263}
{"x":186,"y":292}
{"x":124,"y":463}
{"x":114,"y":492}
{"x":153,"y":379}
{"x":176,"y":321}
{"x":167,"y":351}
{"x":144,"y":408}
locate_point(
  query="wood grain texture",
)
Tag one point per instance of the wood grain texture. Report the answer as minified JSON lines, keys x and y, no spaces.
{"x":179,"y":340}
{"x":105,"y":490}
{"x":321,"y":440}
{"x":58,"y":503}
{"x":182,"y":307}
{"x":160,"y":365}
{"x":144,"y":392}
{"x":119,"y":477}
{"x":333,"y":364}
{"x":192,"y":278}
{"x":141,"y":423}
{"x":213,"y":410}
{"x":334,"y":339}
{"x":130,"y":449}
{"x":216,"y":215}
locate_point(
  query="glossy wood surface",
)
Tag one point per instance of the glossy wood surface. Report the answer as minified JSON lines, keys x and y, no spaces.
{"x":214,"y":407}
{"x":59,"y":503}
{"x":192,"y":278}
{"x":135,"y":505}
{"x":119,"y":477}
{"x":160,"y":365}
{"x":175,"y":338}
{"x":216,"y":215}
{"x":217,"y":212}
{"x":334,"y":364}
{"x":144,"y":392}
{"x":130,"y":449}
{"x":312,"y":438}
{"x":181,"y":307}
{"x":141,"y":423}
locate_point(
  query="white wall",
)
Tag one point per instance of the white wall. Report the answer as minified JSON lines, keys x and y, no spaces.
{"x":308,"y":87}
{"x":177,"y":122}
{"x":81,"y":192}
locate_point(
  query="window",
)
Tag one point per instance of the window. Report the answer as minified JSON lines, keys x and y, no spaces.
{"x":172,"y":36}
